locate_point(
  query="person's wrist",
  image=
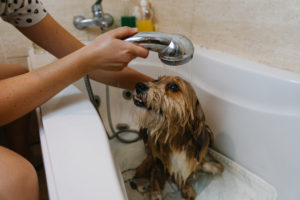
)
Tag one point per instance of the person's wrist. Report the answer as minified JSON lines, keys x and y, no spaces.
{"x":85,"y":58}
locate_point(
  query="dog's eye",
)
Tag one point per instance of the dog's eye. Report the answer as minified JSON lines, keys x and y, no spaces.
{"x":173,"y":87}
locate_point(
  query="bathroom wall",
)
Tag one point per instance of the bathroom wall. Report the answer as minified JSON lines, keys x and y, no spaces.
{"x":265,"y":31}
{"x":14,"y":46}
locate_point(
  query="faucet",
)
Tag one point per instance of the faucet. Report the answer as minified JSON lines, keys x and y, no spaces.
{"x":172,"y":49}
{"x":100,"y":19}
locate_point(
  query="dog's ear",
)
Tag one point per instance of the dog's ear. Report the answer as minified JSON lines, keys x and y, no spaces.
{"x":201,"y":132}
{"x":198,"y":119}
{"x":204,"y":140}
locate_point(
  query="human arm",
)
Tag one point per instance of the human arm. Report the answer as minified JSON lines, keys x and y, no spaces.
{"x":55,"y":39}
{"x":21,"y":94}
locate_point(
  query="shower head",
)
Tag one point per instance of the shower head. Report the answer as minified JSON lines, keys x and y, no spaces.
{"x":172,"y":49}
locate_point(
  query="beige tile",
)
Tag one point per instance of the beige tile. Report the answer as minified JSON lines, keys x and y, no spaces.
{"x":281,"y":50}
{"x":64,"y":12}
{"x":2,"y":55}
{"x":15,"y":44}
{"x":248,"y":30}
{"x":173,"y":16}
{"x":93,"y":32}
{"x":2,"y":58}
{"x":18,"y":61}
{"x":116,"y":9}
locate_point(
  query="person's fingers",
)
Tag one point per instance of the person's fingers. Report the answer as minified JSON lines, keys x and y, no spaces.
{"x":139,"y":51}
{"x":123,"y":32}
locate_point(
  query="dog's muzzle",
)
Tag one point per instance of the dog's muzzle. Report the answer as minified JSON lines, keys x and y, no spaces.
{"x":141,"y":92}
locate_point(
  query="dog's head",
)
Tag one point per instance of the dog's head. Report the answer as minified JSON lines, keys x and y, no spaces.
{"x":169,"y":105}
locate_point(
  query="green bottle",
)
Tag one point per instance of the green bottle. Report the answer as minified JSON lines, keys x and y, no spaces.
{"x":127,"y":19}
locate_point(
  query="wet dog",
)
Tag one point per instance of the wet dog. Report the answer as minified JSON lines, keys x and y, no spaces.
{"x":176,"y":138}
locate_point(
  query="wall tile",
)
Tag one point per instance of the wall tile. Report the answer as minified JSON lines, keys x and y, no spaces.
{"x":18,"y":61}
{"x":263,"y":31}
{"x":115,"y":8}
{"x":2,"y":55}
{"x":14,"y":43}
{"x":174,"y":16}
{"x":64,"y":12}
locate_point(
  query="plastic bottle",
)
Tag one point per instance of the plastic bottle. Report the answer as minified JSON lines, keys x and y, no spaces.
{"x":145,"y":22}
{"x":127,"y":19}
{"x":136,"y":13}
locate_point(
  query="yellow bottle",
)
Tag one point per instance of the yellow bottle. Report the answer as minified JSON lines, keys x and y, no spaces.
{"x":144,"y":23}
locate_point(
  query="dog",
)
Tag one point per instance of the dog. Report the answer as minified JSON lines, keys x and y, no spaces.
{"x":176,"y":138}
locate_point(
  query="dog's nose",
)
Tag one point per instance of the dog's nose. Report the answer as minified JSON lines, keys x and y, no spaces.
{"x":141,"y":87}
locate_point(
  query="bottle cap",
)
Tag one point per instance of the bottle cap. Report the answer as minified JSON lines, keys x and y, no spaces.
{"x":143,"y":2}
{"x":136,"y":12}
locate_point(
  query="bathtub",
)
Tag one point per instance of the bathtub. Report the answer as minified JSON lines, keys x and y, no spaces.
{"x":253,"y":109}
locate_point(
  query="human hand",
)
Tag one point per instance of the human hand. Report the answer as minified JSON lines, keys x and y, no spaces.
{"x":109,"y":52}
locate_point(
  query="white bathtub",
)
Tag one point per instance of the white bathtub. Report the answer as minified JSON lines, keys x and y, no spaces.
{"x":253,"y":109}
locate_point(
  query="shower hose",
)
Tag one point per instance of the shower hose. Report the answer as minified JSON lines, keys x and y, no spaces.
{"x":115,"y":134}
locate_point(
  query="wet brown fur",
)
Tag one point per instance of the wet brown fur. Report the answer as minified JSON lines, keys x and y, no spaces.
{"x":172,"y":121}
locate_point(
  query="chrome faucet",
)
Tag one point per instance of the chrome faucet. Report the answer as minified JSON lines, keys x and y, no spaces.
{"x":100,"y":19}
{"x":172,"y":49}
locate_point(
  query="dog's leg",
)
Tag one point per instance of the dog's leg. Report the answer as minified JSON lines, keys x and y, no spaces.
{"x":212,"y":167}
{"x":158,"y":180}
{"x":142,"y":175}
{"x":144,"y":169}
{"x":188,"y":192}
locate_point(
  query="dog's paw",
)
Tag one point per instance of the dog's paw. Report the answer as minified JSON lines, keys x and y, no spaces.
{"x":188,"y":193}
{"x":141,"y":185}
{"x":155,"y":195}
{"x":213,"y":168}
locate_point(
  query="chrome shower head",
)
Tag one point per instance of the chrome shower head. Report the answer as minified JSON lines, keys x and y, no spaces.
{"x":172,"y":49}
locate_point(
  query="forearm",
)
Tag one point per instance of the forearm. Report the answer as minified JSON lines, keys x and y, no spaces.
{"x":51,"y":36}
{"x":21,"y":94}
{"x":127,"y":78}
{"x":59,"y":42}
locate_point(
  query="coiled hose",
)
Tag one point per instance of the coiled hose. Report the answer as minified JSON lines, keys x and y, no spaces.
{"x":115,"y":134}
